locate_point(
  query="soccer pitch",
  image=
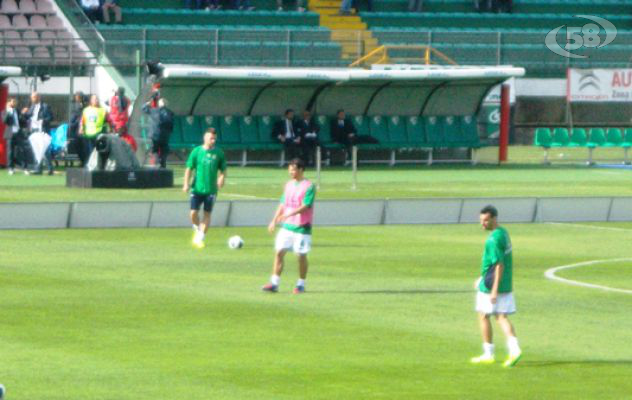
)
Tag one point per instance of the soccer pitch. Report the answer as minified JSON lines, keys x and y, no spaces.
{"x":139,"y":314}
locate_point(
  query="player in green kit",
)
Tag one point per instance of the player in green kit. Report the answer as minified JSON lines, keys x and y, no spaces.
{"x":209,"y":165}
{"x":495,"y":289}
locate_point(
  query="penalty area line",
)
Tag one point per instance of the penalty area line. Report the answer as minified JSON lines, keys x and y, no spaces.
{"x":550,"y":274}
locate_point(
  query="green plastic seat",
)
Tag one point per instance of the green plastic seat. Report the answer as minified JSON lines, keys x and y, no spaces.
{"x":265,"y":124}
{"x":229,"y":135}
{"x":249,"y":131}
{"x":452,"y":134}
{"x":578,"y":138}
{"x":209,"y":121}
{"x":175,"y":139}
{"x":434,"y":131}
{"x":397,"y":134}
{"x":560,"y":137}
{"x":378,"y":129}
{"x":190,"y":130}
{"x":324,"y":134}
{"x":614,"y":137}
{"x":543,"y":137}
{"x":361,"y":124}
{"x":416,"y":131}
{"x":469,"y":129}
{"x":627,"y":138}
{"x":597,"y":137}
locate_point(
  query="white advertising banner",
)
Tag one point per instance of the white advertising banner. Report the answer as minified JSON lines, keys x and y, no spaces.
{"x":599,"y":85}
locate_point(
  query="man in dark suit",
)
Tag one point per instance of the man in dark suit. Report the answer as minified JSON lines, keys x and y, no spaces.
{"x":286,"y":132}
{"x":14,"y":137}
{"x":38,"y":118}
{"x":343,"y":132}
{"x":308,"y":130}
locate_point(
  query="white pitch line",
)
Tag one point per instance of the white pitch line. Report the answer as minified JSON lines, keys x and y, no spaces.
{"x":245,"y":196}
{"x":601,"y":228}
{"x":550,"y":274}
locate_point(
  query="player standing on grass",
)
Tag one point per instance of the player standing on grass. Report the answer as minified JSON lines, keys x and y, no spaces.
{"x":495,"y":295}
{"x":295,"y":213}
{"x":209,"y":165}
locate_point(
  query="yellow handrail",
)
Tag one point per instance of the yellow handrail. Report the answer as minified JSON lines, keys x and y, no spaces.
{"x":428,"y":51}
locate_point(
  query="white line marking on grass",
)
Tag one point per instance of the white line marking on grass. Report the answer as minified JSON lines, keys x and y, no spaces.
{"x":601,"y":228}
{"x":246,"y":196}
{"x":550,"y":274}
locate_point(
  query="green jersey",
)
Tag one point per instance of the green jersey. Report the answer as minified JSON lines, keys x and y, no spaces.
{"x":206,"y":163}
{"x":497,"y":251}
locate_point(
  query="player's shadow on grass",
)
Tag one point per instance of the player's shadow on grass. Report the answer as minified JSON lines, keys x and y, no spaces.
{"x":396,"y":291}
{"x":565,"y":363}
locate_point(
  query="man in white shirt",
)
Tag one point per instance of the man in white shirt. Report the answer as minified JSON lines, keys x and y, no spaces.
{"x":92,"y":8}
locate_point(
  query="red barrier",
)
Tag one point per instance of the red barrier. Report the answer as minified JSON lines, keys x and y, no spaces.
{"x":503,"y":142}
{"x":4,"y":94}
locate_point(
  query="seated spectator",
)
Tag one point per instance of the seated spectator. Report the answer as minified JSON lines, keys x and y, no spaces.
{"x":415,"y":5}
{"x":195,"y":4}
{"x":308,"y":130}
{"x":299,"y":5}
{"x":286,"y":133}
{"x":111,"y":5}
{"x":242,"y":5}
{"x":483,"y":5}
{"x":503,"y":6}
{"x":343,"y":132}
{"x":92,"y":8}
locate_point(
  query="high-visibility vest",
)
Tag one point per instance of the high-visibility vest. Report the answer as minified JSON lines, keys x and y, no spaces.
{"x":93,"y":120}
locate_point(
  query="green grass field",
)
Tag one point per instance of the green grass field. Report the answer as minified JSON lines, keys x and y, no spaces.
{"x":518,"y":178}
{"x":388,"y":315}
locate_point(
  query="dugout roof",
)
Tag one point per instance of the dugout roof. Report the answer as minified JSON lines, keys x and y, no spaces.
{"x":193,"y":90}
{"x":7,"y":72}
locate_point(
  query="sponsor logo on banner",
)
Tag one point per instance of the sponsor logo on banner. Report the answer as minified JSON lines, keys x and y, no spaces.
{"x":607,"y":85}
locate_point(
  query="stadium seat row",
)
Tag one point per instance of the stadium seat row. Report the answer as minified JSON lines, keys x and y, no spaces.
{"x":393,"y":132}
{"x":580,"y":137}
{"x":35,"y":22}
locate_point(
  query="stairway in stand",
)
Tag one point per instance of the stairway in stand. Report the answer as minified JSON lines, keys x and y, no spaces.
{"x":348,"y":30}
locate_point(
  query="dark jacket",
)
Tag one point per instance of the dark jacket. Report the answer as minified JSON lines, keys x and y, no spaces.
{"x":76,"y":112}
{"x":307,"y":127}
{"x":44,"y":114}
{"x":280,"y":129}
{"x":9,"y":121}
{"x":160,"y":123}
{"x":340,"y":134}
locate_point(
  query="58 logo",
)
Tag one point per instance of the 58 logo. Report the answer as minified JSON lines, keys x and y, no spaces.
{"x":584,"y":36}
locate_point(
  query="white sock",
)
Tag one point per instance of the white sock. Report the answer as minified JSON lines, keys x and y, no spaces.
{"x":512,"y":345}
{"x":488,"y":349}
{"x":195,"y":228}
{"x":275,"y":279}
{"x":201,"y":235}
{"x":300,"y":282}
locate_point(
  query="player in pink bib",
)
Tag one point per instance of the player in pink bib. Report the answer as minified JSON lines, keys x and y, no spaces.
{"x":295,"y":214}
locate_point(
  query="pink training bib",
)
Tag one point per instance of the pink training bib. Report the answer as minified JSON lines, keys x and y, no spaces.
{"x":294,"y":195}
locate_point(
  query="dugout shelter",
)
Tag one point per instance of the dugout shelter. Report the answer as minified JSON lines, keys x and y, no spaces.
{"x":433,"y":107}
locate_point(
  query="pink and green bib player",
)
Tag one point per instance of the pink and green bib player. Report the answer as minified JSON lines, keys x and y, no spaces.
{"x":295,"y":214}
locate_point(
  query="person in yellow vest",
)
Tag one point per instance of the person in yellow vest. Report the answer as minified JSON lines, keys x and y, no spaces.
{"x":93,"y":123}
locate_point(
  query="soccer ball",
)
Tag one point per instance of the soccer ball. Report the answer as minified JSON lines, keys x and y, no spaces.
{"x":235,"y":242}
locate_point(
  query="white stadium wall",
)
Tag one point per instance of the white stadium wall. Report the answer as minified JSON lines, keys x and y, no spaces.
{"x":326,"y":213}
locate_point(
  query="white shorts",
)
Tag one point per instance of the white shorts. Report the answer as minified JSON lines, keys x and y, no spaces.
{"x":297,"y":242}
{"x":505,"y":303}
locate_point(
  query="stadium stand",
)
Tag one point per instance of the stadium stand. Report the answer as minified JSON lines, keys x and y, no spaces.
{"x":32,"y":33}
